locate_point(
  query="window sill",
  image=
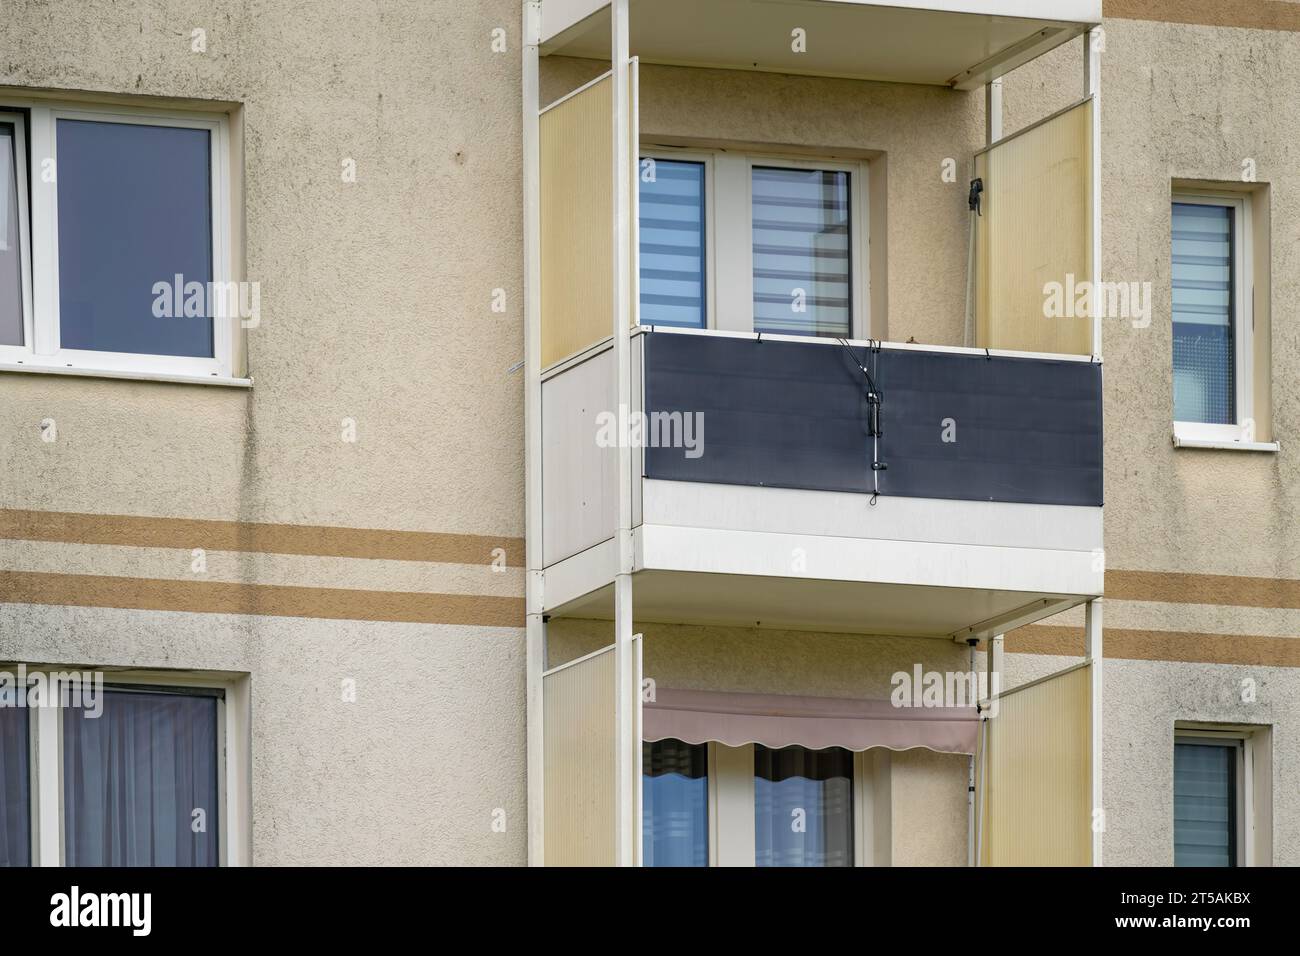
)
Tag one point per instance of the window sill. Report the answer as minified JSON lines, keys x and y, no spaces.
{"x":142,"y":376}
{"x":1221,"y":445}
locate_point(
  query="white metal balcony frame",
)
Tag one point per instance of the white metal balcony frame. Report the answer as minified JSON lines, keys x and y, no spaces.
{"x":550,"y":28}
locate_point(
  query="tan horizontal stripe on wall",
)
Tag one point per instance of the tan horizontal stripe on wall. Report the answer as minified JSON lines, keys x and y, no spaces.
{"x":1223,"y":589}
{"x":1248,"y":14}
{"x":318,"y":540}
{"x":1174,"y":646}
{"x":209,"y":597}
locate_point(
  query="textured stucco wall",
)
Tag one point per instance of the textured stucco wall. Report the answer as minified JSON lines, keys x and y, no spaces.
{"x":928,"y":790}
{"x":1186,"y":102}
{"x":375,"y":295}
{"x":410,"y":773}
{"x":376,"y":306}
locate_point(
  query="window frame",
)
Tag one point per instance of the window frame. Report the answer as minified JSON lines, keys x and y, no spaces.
{"x":45,"y":759}
{"x":1244,"y":790}
{"x":729,"y":235}
{"x":38,"y":202}
{"x":1243,"y":332}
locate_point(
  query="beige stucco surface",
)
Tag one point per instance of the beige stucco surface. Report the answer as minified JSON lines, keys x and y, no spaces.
{"x":412,"y":772}
{"x":375,"y":295}
{"x":1143,"y":700}
{"x":1187,"y":102}
{"x":376,"y":306}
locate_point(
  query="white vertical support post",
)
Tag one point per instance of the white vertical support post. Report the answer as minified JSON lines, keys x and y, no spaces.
{"x":992,"y":111}
{"x":624,"y":651}
{"x":1092,"y":43}
{"x":1095,"y":657}
{"x":535,"y":635}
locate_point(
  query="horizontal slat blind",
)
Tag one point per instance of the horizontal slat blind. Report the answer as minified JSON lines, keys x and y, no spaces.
{"x":1204,"y":379}
{"x":802,"y":251}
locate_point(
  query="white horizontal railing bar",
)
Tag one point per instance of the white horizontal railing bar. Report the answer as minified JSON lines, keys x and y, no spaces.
{"x":870,"y":343}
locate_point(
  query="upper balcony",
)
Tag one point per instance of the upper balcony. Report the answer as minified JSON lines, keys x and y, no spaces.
{"x":788,"y":468}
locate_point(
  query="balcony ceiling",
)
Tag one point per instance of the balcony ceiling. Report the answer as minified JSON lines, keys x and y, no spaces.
{"x":961,"y":43}
{"x":669,"y":597}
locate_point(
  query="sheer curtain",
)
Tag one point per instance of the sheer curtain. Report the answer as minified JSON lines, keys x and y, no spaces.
{"x":15,"y":826}
{"x":133,"y":778}
{"x":674,"y":803}
{"x":803,"y":807}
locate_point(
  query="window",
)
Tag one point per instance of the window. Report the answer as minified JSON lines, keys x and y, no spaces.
{"x":803,"y":807}
{"x":124,"y":774}
{"x":15,"y":783}
{"x":753,"y":243}
{"x":1222,"y":794}
{"x":801,"y":251}
{"x":714,"y":805}
{"x":1212,"y":320}
{"x":114,"y":252}
{"x":673,"y":243}
{"x":140,"y":780}
{"x":674,"y":804}
{"x":1206,"y":805}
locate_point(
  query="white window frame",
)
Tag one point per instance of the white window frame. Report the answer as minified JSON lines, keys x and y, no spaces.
{"x":1244,"y":774}
{"x":41,"y":349}
{"x":729,"y":231}
{"x":45,"y":761}
{"x":1243,"y":325}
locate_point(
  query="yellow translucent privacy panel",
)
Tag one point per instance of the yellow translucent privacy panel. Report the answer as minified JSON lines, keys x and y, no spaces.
{"x":577,"y":221}
{"x":1037,"y":784}
{"x":579,"y":753}
{"x":1034,"y":238}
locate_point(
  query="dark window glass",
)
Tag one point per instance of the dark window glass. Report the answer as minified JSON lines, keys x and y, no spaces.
{"x":15,"y":784}
{"x":674,"y":803}
{"x":11,"y":284}
{"x":1205,"y":372}
{"x":135,"y":209}
{"x":672,"y":243}
{"x":803,"y":807}
{"x":801,"y":252}
{"x":133,"y":778}
{"x":1205,"y":804}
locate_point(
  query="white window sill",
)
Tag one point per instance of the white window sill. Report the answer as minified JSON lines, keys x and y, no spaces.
{"x":1224,"y":445}
{"x":137,"y":375}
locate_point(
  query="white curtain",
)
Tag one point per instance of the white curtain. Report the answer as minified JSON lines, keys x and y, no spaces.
{"x":134,"y":778}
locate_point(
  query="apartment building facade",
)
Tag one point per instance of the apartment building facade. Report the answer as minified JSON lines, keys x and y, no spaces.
{"x":483,"y":433}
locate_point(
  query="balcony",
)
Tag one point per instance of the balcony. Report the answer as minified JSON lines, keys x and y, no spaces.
{"x":691,"y":461}
{"x":771,"y":490}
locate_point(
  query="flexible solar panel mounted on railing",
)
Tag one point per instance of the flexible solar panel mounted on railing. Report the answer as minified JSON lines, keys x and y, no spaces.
{"x":953,"y":425}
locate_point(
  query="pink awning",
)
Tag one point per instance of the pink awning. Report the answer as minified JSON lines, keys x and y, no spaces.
{"x":776,"y":720}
